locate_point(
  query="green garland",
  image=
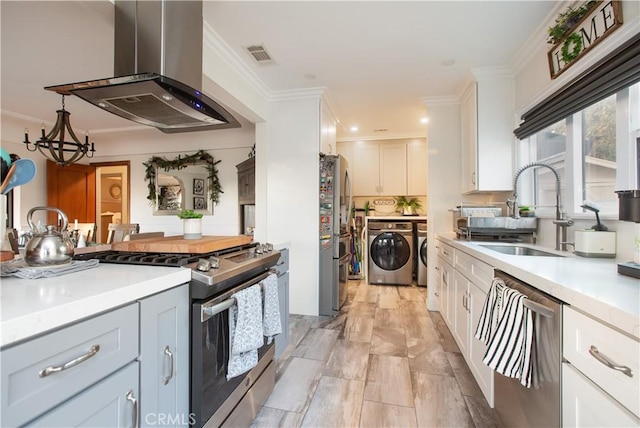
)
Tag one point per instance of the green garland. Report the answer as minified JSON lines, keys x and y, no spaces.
{"x":215,"y":188}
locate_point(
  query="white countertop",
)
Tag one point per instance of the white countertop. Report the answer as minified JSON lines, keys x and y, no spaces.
{"x":31,"y":307}
{"x":396,"y":217}
{"x":589,"y":284}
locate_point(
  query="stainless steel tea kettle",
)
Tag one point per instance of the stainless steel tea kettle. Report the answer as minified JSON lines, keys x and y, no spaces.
{"x":51,"y":247}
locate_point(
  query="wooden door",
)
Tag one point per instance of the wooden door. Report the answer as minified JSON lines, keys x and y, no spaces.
{"x":72,"y":189}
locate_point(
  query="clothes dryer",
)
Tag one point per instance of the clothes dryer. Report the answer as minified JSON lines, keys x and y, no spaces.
{"x":390,"y":246}
{"x":421,"y":253}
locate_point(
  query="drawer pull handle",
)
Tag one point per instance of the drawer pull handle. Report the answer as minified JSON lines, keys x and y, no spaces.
{"x":134,"y":413}
{"x":168,"y":352}
{"x":607,"y":362}
{"x":82,"y":358}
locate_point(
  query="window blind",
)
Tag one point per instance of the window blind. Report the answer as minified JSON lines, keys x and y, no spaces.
{"x":618,"y":70}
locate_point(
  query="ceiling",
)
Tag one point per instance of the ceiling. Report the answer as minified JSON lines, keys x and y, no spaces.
{"x":377,"y":59}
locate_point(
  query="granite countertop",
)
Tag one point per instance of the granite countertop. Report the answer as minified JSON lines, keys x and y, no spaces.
{"x":31,"y":307}
{"x":590,"y":285}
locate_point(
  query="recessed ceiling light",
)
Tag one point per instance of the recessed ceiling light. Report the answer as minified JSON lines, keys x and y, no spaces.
{"x":424,"y":120}
{"x":354,"y":129}
{"x":448,"y":62}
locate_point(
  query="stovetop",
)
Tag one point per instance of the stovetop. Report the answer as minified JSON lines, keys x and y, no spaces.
{"x":235,"y":265}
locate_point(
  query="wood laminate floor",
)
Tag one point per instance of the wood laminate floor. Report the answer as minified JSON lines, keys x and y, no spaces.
{"x":385,"y":361}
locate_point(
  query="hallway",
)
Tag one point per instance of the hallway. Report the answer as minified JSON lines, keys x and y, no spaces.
{"x":384,"y":362}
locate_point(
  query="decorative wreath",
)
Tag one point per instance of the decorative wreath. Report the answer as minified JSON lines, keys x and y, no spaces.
{"x":573,"y":42}
{"x":215,"y":188}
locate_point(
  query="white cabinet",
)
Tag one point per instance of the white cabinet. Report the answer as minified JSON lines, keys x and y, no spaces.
{"x":387,"y":168}
{"x":465,"y":282}
{"x":487,"y":125}
{"x":327,"y":130}
{"x":584,"y":404}
{"x":608,"y":358}
{"x":164,"y":353}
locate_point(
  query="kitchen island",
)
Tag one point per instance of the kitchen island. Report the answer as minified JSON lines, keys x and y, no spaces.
{"x":32,"y":307}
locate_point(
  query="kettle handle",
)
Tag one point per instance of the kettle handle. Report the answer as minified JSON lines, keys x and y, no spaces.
{"x":65,"y":220}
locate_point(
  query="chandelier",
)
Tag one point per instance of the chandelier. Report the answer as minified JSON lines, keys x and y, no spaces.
{"x":53,"y":145}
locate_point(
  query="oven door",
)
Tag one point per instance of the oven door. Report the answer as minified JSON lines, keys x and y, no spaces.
{"x":213,"y":397}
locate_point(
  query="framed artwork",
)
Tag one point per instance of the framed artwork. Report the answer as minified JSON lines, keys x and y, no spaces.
{"x":199,"y":203}
{"x":198,"y":186}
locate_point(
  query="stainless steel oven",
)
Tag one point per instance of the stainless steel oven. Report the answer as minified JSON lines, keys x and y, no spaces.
{"x":216,"y":401}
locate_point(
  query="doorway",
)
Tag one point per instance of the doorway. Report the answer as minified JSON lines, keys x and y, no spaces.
{"x":112,"y":196}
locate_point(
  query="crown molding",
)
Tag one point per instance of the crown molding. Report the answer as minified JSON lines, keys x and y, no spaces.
{"x":213,"y":41}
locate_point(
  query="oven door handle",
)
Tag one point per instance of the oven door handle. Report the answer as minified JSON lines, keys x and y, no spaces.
{"x":212,"y":308}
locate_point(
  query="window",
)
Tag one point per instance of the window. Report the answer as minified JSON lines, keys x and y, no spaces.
{"x":590,"y":150}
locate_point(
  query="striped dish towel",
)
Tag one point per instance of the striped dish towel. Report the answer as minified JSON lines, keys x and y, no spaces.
{"x":511,"y":351}
{"x":491,"y":312}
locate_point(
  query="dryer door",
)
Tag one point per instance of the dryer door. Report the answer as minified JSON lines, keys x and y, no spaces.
{"x":423,"y":253}
{"x":390,"y":251}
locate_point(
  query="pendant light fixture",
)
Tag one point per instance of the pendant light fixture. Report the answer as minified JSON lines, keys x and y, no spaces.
{"x":53,"y":145}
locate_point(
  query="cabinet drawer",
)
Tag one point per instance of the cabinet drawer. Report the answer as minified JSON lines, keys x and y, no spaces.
{"x":28,"y":392}
{"x":582,"y":336}
{"x":107,"y":404}
{"x":282,"y":265}
{"x":584,"y":404}
{"x":445,"y":251}
{"x":475,"y":270}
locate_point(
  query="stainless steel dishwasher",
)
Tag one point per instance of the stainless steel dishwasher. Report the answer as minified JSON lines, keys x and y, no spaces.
{"x":538,"y":406}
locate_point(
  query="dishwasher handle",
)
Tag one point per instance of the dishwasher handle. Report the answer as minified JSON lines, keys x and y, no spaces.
{"x":538,"y":308}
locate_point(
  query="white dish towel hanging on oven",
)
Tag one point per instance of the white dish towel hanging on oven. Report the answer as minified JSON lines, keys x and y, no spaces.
{"x":271,"y":322}
{"x":507,"y":326}
{"x":245,"y":331}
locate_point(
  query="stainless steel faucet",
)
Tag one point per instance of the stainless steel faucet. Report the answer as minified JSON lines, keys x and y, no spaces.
{"x":561,"y":221}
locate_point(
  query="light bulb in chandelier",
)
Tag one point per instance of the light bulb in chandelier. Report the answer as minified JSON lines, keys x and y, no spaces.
{"x":53,"y":145}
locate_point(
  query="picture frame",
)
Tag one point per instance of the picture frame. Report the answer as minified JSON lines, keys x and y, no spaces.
{"x":198,"y":186}
{"x":199,"y":203}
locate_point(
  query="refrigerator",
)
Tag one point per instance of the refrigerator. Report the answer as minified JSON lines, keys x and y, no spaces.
{"x":335,"y":217}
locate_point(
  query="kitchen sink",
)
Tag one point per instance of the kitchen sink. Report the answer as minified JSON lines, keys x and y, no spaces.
{"x":518,"y":250}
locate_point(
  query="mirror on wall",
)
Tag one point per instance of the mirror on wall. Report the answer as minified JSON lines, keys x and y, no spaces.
{"x":187,"y":182}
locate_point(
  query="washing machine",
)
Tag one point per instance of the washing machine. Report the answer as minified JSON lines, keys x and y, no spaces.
{"x":421,"y":254}
{"x":390,"y":245}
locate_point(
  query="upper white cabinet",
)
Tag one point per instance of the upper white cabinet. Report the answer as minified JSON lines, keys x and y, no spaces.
{"x":387,"y":168}
{"x":327,"y":130}
{"x":486,"y":115}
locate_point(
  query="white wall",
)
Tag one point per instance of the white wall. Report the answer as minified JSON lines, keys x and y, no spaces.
{"x":288,"y":161}
{"x":533,"y":85}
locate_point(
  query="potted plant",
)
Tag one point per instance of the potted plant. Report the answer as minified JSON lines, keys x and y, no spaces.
{"x":191,"y":224}
{"x":407,"y":206}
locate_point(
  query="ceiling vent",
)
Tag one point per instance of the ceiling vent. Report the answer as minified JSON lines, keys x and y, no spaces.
{"x":259,"y":54}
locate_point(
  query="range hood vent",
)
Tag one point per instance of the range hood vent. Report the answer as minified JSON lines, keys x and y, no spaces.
{"x":158,"y":64}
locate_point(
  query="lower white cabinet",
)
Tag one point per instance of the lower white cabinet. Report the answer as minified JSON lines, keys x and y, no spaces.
{"x":164,"y":354}
{"x":463,"y":290}
{"x":113,"y":402}
{"x":584,"y":404}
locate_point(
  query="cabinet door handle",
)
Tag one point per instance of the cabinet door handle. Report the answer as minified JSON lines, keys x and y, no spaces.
{"x":82,"y":358}
{"x":134,"y":413}
{"x":464,"y":300}
{"x":468,"y":299}
{"x":168,"y":352}
{"x":608,"y":362}
{"x":473,"y":177}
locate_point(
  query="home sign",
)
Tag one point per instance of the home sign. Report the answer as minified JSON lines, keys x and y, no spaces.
{"x":598,"y":23}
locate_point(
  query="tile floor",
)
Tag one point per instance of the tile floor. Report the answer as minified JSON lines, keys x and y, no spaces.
{"x":384,"y":362}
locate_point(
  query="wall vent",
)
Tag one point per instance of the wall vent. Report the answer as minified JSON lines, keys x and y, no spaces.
{"x":259,"y":54}
{"x":380,"y":130}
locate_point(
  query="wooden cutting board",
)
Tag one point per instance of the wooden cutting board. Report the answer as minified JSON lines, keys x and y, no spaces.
{"x":176,"y":244}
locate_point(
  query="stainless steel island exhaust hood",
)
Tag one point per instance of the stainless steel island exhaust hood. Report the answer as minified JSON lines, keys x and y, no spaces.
{"x":158,"y":64}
